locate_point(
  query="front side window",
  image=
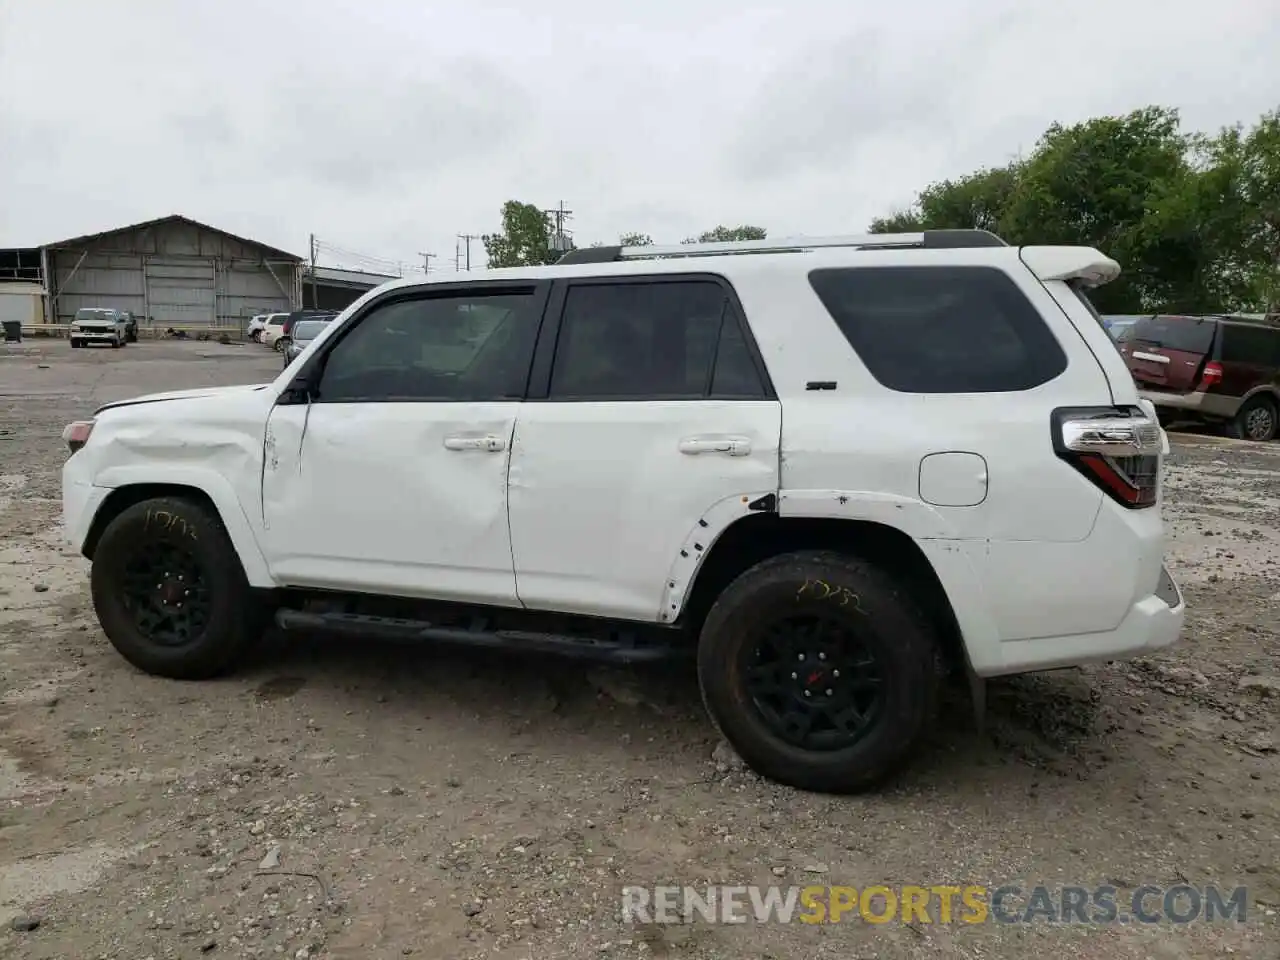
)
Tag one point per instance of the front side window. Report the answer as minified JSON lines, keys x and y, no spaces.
{"x":652,"y":340}
{"x":453,"y":347}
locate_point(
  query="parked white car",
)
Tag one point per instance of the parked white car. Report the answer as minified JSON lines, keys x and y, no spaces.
{"x":822,"y":470}
{"x":99,"y":325}
{"x":254,"y":330}
{"x":272,"y":328}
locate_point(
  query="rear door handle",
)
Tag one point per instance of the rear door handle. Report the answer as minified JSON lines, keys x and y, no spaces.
{"x":731,"y":446}
{"x":490,"y":444}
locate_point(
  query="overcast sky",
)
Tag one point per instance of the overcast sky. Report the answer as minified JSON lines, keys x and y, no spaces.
{"x":390,"y":126}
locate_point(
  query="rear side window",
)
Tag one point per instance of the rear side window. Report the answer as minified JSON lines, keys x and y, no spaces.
{"x":1248,"y":343}
{"x":941,"y":329}
{"x":673,"y":340}
{"x":1187,"y":334}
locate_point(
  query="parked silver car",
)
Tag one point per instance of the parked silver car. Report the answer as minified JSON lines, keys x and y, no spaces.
{"x":300,"y":337}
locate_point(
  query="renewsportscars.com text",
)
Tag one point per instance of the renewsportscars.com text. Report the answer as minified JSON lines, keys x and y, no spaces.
{"x":940,"y":903}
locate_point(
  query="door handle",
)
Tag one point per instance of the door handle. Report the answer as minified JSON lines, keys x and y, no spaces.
{"x":733,"y":446}
{"x":489,"y":444}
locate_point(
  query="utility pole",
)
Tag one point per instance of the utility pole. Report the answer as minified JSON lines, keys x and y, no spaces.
{"x":560,"y":216}
{"x":426,"y":261}
{"x":315,"y":301}
{"x":467,"y":238}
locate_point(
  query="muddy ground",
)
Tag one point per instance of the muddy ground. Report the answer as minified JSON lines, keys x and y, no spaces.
{"x":413,"y":802}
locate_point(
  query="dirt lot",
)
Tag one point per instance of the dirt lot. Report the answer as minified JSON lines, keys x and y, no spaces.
{"x":462,"y":805}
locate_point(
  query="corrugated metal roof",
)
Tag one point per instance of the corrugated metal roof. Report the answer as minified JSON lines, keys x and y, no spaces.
{"x":173,"y":218}
{"x":335,"y":275}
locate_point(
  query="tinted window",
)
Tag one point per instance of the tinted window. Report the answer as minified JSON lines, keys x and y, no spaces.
{"x":1247,"y":343}
{"x":941,"y":329}
{"x":652,"y":340}
{"x":308,"y":329}
{"x":466,"y":347}
{"x":1188,"y":334}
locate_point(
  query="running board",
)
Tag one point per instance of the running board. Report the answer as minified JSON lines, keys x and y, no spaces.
{"x":616,"y":646}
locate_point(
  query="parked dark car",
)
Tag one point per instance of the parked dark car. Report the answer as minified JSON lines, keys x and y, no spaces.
{"x":283,"y":340}
{"x":131,"y":326}
{"x":300,"y":337}
{"x":1223,"y":370}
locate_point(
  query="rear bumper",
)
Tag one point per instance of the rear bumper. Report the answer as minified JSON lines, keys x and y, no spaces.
{"x":1152,"y":623}
{"x":1197,"y":403}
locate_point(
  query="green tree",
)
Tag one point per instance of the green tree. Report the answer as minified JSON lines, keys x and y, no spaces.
{"x":635,"y":240}
{"x":1095,"y":183}
{"x":525,"y":239}
{"x":1166,"y":205}
{"x":902,"y":221}
{"x":1239,"y":206}
{"x":976,"y":201}
{"x":723,"y":234}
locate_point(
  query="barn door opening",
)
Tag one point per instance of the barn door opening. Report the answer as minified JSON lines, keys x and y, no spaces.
{"x":181,"y":291}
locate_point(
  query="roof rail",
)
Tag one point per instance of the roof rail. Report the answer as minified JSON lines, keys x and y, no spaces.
{"x":925,"y":239}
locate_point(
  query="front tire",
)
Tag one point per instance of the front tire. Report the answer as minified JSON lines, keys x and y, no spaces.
{"x":75,"y":344}
{"x":820,"y":671}
{"x":170,"y":593}
{"x":280,"y":344}
{"x":1257,"y":420}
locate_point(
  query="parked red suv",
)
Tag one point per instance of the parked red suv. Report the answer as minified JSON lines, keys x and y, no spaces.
{"x":1213,"y":369}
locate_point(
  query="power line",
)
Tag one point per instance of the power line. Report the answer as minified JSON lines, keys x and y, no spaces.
{"x":352,"y":259}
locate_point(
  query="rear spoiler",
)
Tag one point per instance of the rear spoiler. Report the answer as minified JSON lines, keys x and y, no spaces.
{"x":1085,"y":264}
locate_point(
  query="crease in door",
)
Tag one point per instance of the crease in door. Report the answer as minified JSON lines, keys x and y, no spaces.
{"x":306,"y":419}
{"x":506,"y":493}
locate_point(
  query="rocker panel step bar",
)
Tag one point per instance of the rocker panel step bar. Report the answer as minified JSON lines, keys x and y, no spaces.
{"x":619,"y":647}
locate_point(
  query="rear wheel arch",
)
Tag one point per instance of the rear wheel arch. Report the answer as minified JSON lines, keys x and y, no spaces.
{"x":756,"y":537}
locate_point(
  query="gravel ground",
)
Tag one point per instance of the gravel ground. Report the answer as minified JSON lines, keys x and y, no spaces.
{"x":343,"y":801}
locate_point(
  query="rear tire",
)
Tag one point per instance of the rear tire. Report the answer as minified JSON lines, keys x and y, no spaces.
{"x":200,"y":615}
{"x":280,"y":344}
{"x":764,"y":695}
{"x":1257,"y":420}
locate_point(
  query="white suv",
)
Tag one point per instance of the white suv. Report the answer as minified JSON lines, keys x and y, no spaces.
{"x":824,"y":468}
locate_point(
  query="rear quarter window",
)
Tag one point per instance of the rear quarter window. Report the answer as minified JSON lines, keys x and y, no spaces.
{"x":941,"y":329}
{"x":1248,"y":343}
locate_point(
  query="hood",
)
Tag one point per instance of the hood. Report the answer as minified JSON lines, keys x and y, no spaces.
{"x":184,"y":395}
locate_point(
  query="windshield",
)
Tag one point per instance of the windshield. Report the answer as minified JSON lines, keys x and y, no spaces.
{"x":1187,"y":334}
{"x":308,"y":329}
{"x":87,"y":313}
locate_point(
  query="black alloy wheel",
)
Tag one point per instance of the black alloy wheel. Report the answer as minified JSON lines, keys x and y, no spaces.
{"x":816,"y":684}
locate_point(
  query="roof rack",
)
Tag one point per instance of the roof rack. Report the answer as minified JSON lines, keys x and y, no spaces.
{"x":925,"y":239}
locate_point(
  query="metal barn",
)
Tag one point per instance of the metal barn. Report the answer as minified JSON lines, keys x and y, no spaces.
{"x":329,"y":288}
{"x":171,"y":272}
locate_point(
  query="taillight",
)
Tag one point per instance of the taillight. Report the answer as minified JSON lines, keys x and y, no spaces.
{"x":1212,"y":375}
{"x":76,"y":435}
{"x":1118,"y":450}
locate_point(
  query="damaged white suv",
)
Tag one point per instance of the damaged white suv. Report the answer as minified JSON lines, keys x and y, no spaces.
{"x":822,"y":468}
